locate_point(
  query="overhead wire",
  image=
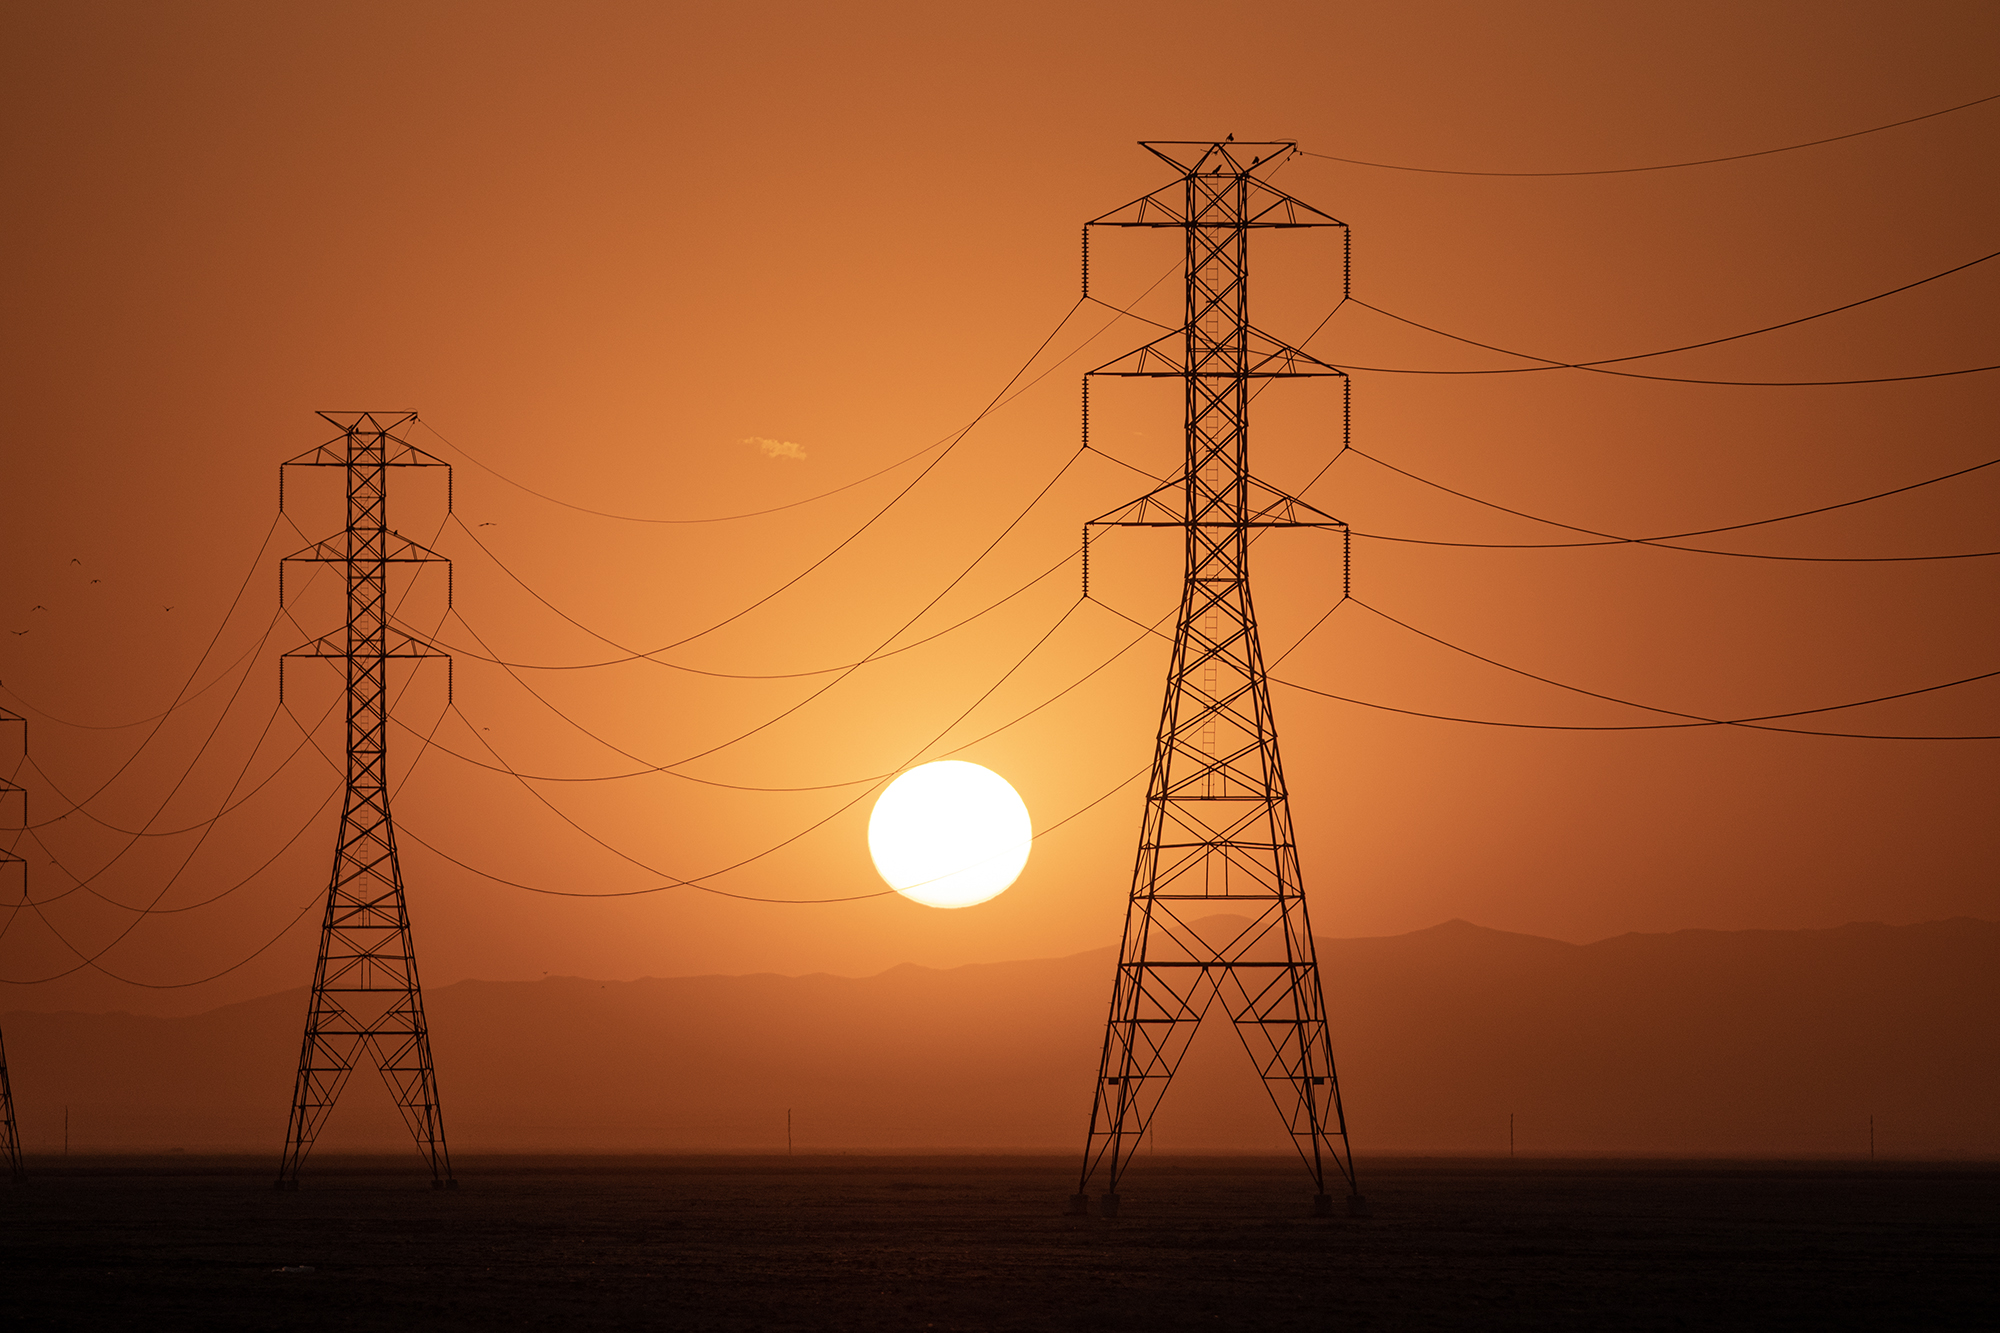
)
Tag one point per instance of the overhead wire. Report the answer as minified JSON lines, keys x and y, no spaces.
{"x":145,"y":832}
{"x":1549,"y":363}
{"x":153,"y":908}
{"x":1602,"y":365}
{"x":460,"y":650}
{"x":891,"y":639}
{"x":1662,"y":540}
{"x":732,"y":786}
{"x":133,"y":837}
{"x":1000,"y":400}
{"x":91,"y":960}
{"x":718,"y":518}
{"x":821,"y":690}
{"x":696,"y":882}
{"x":160,"y":720}
{"x":794,"y":504}
{"x":318,"y":896}
{"x":1756,"y":722}
{"x":220,"y":676}
{"x":1668,"y":541}
{"x":1608,"y":539}
{"x":1662,"y":166}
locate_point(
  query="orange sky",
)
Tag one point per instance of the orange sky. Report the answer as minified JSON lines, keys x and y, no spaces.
{"x":607,"y":247}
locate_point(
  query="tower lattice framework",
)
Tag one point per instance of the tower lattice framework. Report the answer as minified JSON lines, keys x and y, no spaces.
{"x":367,"y":1004}
{"x":15,"y":800}
{"x":1216,"y":836}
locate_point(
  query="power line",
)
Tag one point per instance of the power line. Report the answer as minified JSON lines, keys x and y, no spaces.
{"x":1662,"y":166}
{"x":836,"y":813}
{"x":635,"y":654}
{"x":1666,"y":541}
{"x":1552,"y":364}
{"x":742,"y":675}
{"x":788,"y":583}
{"x":154,"y":909}
{"x":838,"y":679}
{"x":758,"y":513}
{"x":146,"y":832}
{"x":695,"y":882}
{"x":180,"y":694}
{"x":720,"y":518}
{"x":826,"y":786}
{"x":221,"y":676}
{"x":1078,"y":813}
{"x":91,"y":961}
{"x":1751,"y":723}
{"x":1690,"y":379}
{"x":1696,"y":718}
{"x":133,"y":841}
{"x":947,"y":443}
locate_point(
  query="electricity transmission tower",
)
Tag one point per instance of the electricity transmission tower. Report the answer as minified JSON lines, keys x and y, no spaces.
{"x":1217,"y":831}
{"x":10,"y":1134}
{"x":366,"y":1001}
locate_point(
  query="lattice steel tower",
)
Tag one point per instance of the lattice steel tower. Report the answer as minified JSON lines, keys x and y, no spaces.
{"x":15,"y":800}
{"x":1217,"y":830}
{"x":366,"y":1001}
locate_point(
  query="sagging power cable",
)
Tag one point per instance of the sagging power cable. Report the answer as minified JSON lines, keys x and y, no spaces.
{"x":1668,"y":541}
{"x":1661,"y":166}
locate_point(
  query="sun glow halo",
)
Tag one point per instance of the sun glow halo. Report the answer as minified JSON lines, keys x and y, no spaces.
{"x":949,"y":834}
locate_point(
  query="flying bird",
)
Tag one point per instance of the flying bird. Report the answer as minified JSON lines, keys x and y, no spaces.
{"x":489,"y":525}
{"x":17,"y":631}
{"x":38,"y":608}
{"x":166,"y":608}
{"x":97,"y":580}
{"x":74,"y":561}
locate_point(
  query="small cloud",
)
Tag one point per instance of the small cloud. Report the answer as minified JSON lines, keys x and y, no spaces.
{"x":777,"y":448}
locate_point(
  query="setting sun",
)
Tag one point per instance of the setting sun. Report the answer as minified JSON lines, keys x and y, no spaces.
{"x":949,"y":834}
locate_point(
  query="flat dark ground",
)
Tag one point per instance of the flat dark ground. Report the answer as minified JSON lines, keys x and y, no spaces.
{"x":980,"y":1243}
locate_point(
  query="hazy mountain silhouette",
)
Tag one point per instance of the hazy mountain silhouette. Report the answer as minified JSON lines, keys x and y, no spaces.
{"x":1699,"y":1041}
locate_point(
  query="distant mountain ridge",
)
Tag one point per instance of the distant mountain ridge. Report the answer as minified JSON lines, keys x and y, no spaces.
{"x":1692,"y":1042}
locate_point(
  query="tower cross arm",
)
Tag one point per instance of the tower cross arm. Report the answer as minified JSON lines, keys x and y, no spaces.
{"x":398,"y":550}
{"x":1213,"y":166}
{"x":395,"y":644}
{"x":1263,"y":357}
{"x":338,"y":451}
{"x":1264,"y":506}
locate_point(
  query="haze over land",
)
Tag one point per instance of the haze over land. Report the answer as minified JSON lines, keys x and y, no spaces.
{"x":1699,"y":1042}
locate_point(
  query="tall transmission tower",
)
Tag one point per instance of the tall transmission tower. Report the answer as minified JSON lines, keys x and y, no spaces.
{"x":16,"y":801}
{"x":366,"y":1000}
{"x":1217,"y":830}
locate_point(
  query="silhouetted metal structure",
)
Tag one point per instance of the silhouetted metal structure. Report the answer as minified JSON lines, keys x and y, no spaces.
{"x":1217,"y":831}
{"x":366,"y":1000}
{"x":15,"y":800}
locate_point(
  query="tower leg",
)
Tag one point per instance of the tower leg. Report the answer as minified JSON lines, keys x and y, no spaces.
{"x":10,"y":1134}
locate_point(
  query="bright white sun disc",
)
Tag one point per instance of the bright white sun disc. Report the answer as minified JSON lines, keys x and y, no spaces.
{"x":949,"y":834}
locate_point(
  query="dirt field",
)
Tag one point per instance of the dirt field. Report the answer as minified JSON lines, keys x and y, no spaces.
{"x":980,"y":1243}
